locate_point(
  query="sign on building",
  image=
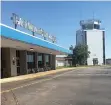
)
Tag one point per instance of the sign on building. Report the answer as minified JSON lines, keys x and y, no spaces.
{"x":18,"y":21}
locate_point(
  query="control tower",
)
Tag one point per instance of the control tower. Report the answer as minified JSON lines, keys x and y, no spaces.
{"x":91,"y":34}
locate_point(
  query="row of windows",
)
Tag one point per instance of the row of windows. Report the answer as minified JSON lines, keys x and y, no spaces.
{"x":30,"y":57}
{"x":91,"y":26}
{"x":31,"y":61}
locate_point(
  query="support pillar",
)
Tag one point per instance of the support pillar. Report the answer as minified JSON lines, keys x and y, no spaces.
{"x":44,"y":60}
{"x":5,"y":63}
{"x":53,"y":62}
{"x":13,"y":62}
{"x":50,"y":61}
{"x":104,"y":59}
{"x":36,"y":61}
{"x":9,"y":62}
{"x":23,"y":62}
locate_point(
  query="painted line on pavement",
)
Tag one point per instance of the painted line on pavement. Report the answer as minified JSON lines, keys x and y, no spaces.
{"x":40,"y":81}
{"x":31,"y":76}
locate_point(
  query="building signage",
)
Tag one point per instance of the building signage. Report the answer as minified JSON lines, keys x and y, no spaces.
{"x":26,"y":24}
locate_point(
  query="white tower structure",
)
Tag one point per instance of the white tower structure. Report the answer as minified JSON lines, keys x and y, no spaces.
{"x":92,"y":35}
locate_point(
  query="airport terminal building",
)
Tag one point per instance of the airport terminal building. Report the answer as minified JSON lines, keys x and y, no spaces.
{"x":23,"y":53}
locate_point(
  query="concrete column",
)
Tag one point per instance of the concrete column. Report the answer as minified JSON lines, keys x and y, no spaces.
{"x":36,"y":60}
{"x":13,"y":62}
{"x":9,"y":62}
{"x":6,"y":64}
{"x":50,"y":60}
{"x":23,"y":62}
{"x":53,"y":62}
{"x":104,"y":58}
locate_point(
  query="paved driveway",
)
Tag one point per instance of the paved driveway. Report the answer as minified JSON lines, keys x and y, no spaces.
{"x":90,"y":86}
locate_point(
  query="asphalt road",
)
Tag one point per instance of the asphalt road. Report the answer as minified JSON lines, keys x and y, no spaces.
{"x":90,"y":86}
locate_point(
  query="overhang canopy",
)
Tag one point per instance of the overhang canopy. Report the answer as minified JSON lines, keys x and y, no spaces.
{"x":17,"y":39}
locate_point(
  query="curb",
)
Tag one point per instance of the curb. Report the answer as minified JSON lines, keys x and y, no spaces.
{"x":32,"y":76}
{"x":36,"y":75}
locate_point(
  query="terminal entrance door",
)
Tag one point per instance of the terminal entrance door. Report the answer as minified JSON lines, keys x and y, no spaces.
{"x":95,"y":61}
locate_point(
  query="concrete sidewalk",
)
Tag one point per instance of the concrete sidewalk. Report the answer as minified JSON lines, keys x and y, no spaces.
{"x":35,"y":75}
{"x":41,"y":74}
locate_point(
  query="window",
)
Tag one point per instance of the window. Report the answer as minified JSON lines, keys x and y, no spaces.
{"x":39,"y":57}
{"x":40,"y":60}
{"x":30,"y":60}
{"x":17,"y":53}
{"x":47,"y":60}
{"x":96,"y":26}
{"x":87,"y":26}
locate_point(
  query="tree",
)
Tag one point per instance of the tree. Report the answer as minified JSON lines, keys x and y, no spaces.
{"x":80,"y":54}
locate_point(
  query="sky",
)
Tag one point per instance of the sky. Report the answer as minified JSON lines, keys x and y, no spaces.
{"x":59,"y":18}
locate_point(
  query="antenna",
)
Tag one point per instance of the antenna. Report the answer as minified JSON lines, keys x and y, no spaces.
{"x":80,"y":17}
{"x":81,"y":14}
{"x":93,"y":15}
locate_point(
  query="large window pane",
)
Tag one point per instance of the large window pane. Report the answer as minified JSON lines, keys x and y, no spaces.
{"x":96,"y":26}
{"x":47,"y":60}
{"x":30,"y":60}
{"x":40,"y":60}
